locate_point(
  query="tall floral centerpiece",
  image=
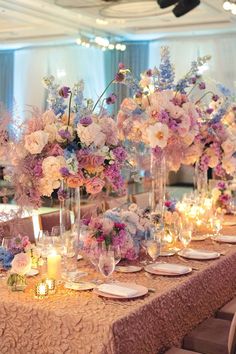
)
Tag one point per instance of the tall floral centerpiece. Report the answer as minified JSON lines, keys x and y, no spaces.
{"x":68,"y":146}
{"x":162,"y":116}
{"x":216,"y":141}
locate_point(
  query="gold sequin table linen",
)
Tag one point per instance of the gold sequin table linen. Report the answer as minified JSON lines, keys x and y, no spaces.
{"x":71,"y":322}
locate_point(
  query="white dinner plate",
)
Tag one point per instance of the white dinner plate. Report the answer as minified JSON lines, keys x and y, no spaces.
{"x":229,"y":223}
{"x":168,"y":269}
{"x":138,"y":290}
{"x":128,"y":269}
{"x":32,"y":272}
{"x":198,"y":254}
{"x":167,"y":253}
{"x":200,"y":237}
{"x":81,"y":286}
{"x":225,"y":239}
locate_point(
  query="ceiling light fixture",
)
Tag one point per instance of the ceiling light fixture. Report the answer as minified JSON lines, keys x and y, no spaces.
{"x":230,"y":6}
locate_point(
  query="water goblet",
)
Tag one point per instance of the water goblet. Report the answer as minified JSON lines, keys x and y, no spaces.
{"x":216,"y":225}
{"x":106,"y":263}
{"x":185,"y":236}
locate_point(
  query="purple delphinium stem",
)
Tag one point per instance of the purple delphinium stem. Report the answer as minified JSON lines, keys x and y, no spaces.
{"x":107,"y":87}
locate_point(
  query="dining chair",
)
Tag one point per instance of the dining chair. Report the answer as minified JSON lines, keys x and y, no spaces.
{"x":227,"y":311}
{"x":22,"y":226}
{"x":142,"y":199}
{"x":47,"y":221}
{"x":212,"y":336}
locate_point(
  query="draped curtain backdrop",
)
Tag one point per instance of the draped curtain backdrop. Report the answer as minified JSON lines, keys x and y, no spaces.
{"x":183,"y":50}
{"x":67,"y":64}
{"x":135,"y":58}
{"x":6,"y":78}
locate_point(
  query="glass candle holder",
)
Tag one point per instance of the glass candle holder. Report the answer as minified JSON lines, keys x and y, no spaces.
{"x":51,"y":283}
{"x":41,"y":290}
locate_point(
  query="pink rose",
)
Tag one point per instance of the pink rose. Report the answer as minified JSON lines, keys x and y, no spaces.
{"x":128,"y":105}
{"x":107,"y":225}
{"x":94,"y":185}
{"x":75,"y":181}
{"x":55,"y":150}
{"x":21,"y":264}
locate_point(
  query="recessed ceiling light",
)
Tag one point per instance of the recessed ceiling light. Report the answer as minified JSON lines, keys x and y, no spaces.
{"x":227,"y":5}
{"x":101,"y":22}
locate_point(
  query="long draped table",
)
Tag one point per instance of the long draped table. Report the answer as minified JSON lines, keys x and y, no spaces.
{"x":72,"y":322}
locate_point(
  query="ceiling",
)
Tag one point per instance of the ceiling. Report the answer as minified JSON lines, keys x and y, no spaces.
{"x":32,"y":22}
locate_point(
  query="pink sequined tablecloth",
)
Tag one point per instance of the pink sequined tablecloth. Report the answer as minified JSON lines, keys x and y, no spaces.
{"x":72,"y":322}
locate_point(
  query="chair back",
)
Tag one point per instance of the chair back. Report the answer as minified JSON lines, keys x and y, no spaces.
{"x":232,"y":336}
{"x":142,"y":200}
{"x":47,"y":221}
{"x":22,"y":226}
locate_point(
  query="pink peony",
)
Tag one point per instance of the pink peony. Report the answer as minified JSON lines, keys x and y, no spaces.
{"x":21,"y":264}
{"x":94,"y":185}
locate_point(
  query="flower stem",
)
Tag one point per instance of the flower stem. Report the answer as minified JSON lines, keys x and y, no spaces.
{"x":205,"y":94}
{"x":192,"y":89}
{"x":68,"y":123}
{"x":107,"y":87}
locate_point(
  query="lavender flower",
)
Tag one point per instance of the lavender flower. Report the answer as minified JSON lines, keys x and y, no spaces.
{"x":64,"y":172}
{"x":111,"y":99}
{"x":64,"y":134}
{"x":86,"y":121}
{"x":202,"y":85}
{"x":215,"y":98}
{"x":64,"y":92}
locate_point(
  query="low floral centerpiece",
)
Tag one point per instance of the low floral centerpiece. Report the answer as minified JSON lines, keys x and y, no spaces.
{"x":19,"y":257}
{"x":221,"y":196}
{"x":118,"y":227}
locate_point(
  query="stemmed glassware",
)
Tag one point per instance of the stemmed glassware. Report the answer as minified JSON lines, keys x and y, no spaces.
{"x":216,"y":225}
{"x":185,"y":232}
{"x":153,"y":245}
{"x":106,"y":262}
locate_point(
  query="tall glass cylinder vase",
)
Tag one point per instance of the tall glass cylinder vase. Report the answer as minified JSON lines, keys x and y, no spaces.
{"x":69,"y":207}
{"x":200,"y":181}
{"x":158,"y":184}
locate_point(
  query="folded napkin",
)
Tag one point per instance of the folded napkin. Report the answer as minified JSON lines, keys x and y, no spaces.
{"x":199,"y":253}
{"x":170,"y":268}
{"x":226,"y":238}
{"x":119,"y":290}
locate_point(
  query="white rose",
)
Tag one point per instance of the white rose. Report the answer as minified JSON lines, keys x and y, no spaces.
{"x":35,"y":142}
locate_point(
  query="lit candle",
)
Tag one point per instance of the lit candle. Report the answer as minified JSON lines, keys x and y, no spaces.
{"x":54,"y":266}
{"x":51,"y":283}
{"x":41,"y":290}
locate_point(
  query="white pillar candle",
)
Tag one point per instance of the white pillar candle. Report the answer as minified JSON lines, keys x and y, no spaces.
{"x":54,"y":265}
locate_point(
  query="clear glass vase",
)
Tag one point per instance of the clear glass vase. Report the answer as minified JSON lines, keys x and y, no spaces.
{"x":158,"y":185}
{"x":69,"y":208}
{"x":200,"y":181}
{"x":16,"y":282}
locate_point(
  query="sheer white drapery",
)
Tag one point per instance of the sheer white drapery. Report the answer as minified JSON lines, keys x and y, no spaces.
{"x":67,"y":63}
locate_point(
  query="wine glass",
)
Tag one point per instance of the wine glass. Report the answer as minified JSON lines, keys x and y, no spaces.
{"x":44,"y":245}
{"x":106,"y":263}
{"x":71,"y":273}
{"x":58,"y":230}
{"x":216,"y":225}
{"x":93,"y":254}
{"x":154,"y":248}
{"x":185,"y":236}
{"x":6,"y":243}
{"x":117,"y":252}
{"x":232,"y":205}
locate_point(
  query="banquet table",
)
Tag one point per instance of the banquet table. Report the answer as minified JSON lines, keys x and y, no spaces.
{"x":73,"y":322}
